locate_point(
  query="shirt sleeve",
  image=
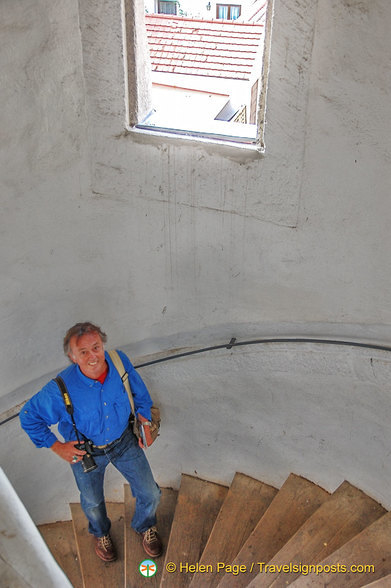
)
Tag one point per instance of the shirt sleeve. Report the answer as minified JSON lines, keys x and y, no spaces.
{"x":41,"y":411}
{"x":141,"y":397}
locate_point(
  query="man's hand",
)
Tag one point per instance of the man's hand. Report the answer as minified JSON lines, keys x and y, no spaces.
{"x":68,"y":451}
{"x":147,"y":431}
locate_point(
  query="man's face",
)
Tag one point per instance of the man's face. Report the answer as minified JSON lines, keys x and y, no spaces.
{"x":88,"y":353}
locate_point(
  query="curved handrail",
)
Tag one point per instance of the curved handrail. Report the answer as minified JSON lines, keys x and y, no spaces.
{"x":235,"y":343}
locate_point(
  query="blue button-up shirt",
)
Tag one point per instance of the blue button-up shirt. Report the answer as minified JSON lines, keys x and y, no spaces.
{"x":101,"y":411}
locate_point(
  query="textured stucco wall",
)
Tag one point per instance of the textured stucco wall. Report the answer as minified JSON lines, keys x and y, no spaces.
{"x":46,"y":243}
{"x":153,"y":238}
{"x":169,"y":244}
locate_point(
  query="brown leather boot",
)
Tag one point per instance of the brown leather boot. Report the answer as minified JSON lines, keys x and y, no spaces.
{"x":105,"y":549}
{"x":152,"y":543}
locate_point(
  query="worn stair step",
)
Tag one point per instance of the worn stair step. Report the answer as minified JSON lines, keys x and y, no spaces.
{"x":295,"y":502}
{"x":384,"y":582}
{"x":95,"y":572}
{"x":134,"y":552}
{"x":246,"y":501}
{"x":197,"y":507}
{"x":345,"y":514}
{"x":371,"y":549}
{"x":61,"y":541}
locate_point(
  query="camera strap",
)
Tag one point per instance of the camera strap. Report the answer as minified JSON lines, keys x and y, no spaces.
{"x":68,"y":403}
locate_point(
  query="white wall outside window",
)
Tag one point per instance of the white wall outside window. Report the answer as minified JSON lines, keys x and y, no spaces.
{"x":199,"y":8}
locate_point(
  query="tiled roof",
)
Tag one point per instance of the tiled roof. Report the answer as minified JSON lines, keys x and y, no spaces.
{"x":257,"y":11}
{"x":217,"y":48}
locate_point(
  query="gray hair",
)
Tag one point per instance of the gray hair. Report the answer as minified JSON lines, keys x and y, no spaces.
{"x":80,"y":329}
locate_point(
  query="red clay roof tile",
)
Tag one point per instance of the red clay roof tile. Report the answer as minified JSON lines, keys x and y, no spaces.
{"x":203,"y":47}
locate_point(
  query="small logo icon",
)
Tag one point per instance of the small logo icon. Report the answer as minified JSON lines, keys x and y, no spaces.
{"x":147,"y":568}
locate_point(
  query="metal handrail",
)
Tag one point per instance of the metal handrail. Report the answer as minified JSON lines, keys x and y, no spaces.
{"x":235,"y":343}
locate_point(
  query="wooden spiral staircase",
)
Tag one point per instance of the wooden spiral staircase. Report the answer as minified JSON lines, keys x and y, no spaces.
{"x":219,"y":536}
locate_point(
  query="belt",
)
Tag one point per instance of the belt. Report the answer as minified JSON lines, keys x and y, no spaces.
{"x":111,"y":442}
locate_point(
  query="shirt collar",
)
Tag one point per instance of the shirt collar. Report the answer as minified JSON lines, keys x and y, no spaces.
{"x":91,"y":381}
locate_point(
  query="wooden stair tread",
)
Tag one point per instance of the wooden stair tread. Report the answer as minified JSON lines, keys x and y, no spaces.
{"x":197,"y":507}
{"x":134,"y":552}
{"x":371,"y":547}
{"x":245,"y":503}
{"x":384,"y":582}
{"x":347,"y":512}
{"x":60,"y":539}
{"x":295,"y":502}
{"x":95,"y":572}
{"x":299,"y":524}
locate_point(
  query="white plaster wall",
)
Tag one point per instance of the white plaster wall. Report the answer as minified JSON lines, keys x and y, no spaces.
{"x":46,"y":251}
{"x":169,"y":244}
{"x":174,"y":238}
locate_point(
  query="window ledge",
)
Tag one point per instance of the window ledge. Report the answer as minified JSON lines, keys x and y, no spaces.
{"x":217,"y":132}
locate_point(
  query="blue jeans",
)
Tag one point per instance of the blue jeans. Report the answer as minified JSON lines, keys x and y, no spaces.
{"x":130,"y":460}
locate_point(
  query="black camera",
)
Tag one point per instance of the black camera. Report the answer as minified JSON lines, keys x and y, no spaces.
{"x":87,"y":460}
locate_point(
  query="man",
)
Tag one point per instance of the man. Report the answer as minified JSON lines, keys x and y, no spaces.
{"x":101,"y":411}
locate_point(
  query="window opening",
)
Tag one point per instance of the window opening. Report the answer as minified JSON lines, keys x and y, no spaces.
{"x":167,"y":7}
{"x":228,"y":11}
{"x":206,"y":74}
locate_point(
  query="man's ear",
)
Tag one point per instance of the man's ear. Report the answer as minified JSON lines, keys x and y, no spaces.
{"x":71,"y":357}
